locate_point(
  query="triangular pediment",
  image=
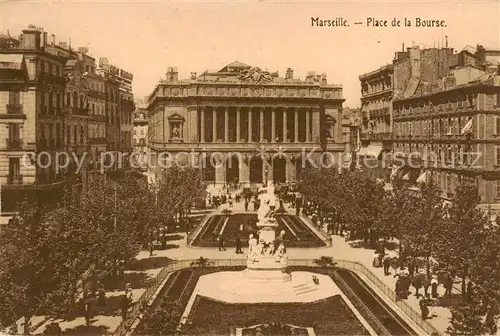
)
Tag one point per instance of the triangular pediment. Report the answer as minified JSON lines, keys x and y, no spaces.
{"x":176,"y":117}
{"x":330,"y":119}
{"x":236,"y":65}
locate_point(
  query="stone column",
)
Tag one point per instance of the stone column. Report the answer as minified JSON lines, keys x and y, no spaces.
{"x":273,"y":124}
{"x":202,"y":124}
{"x":214,"y":124}
{"x":315,"y":125}
{"x":308,"y":133}
{"x":250,"y":124}
{"x":220,"y":173}
{"x":296,"y":124}
{"x":290,"y":169}
{"x":244,"y":172}
{"x":226,"y":124}
{"x":285,"y":119}
{"x":238,"y":136}
{"x":261,"y":124}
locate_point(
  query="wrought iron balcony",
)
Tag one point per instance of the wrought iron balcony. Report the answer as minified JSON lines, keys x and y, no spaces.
{"x":14,"y":143}
{"x":376,"y":136}
{"x":15,"y":179}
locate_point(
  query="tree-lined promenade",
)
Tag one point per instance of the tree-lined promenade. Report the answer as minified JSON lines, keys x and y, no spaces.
{"x":44,"y":253}
{"x":460,"y":237}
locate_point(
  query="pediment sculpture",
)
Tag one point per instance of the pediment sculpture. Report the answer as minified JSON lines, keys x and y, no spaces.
{"x":255,"y":75}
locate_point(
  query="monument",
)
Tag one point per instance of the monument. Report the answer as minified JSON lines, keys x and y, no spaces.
{"x":267,"y":258}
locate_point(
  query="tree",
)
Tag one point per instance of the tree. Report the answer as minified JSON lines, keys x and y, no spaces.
{"x":164,"y":320}
{"x":41,"y":261}
{"x":462,"y":235}
{"x":467,"y":319}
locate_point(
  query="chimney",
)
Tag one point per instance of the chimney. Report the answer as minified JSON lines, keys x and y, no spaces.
{"x":53,"y":40}
{"x":446,"y":39}
{"x":323,"y":78}
{"x":175,"y":74}
{"x":31,"y":38}
{"x":63,"y":45}
{"x":289,"y":74}
{"x":44,"y":40}
{"x":83,"y":50}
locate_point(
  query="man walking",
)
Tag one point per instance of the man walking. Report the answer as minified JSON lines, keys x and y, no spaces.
{"x":238,"y":245}
{"x":221,"y":243}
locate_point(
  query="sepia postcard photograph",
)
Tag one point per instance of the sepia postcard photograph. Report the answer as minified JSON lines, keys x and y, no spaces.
{"x":249,"y":167}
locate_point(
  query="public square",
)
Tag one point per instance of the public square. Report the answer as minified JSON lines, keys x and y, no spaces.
{"x":249,"y":168}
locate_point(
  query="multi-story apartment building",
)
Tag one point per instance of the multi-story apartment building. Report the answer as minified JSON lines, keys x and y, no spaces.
{"x":121,"y":126}
{"x":32,"y":95}
{"x":446,"y":119}
{"x":113,"y":123}
{"x":97,"y":114}
{"x":376,"y":125}
{"x":141,"y":150}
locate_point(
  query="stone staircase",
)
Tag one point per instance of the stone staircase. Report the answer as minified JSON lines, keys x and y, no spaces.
{"x":304,"y":288}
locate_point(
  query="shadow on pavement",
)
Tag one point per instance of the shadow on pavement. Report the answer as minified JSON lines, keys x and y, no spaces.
{"x":136,"y":279}
{"x":149,"y":263}
{"x":87,"y":330}
{"x":174,"y":237}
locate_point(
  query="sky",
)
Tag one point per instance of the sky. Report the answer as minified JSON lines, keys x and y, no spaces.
{"x":146,"y":38}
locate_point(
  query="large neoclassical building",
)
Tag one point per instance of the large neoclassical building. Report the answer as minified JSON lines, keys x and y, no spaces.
{"x":244,"y":125}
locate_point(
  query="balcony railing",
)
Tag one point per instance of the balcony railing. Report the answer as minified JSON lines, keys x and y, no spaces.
{"x":81,"y":111}
{"x":52,"y":79}
{"x":14,"y":109}
{"x":15,"y":179}
{"x":14,"y":143}
{"x":376,"y":136}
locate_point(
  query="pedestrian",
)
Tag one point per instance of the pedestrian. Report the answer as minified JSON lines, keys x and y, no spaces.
{"x":87,"y":309}
{"x":101,"y":297}
{"x":387,"y":264}
{"x":426,"y":283}
{"x":238,"y":245}
{"x":434,"y":286}
{"x":470,"y":291}
{"x":221,"y":243}
{"x":126,"y":300}
{"x":246,"y":204}
{"x":424,"y":309}
{"x":448,"y":285}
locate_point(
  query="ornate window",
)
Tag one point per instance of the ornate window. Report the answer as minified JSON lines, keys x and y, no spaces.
{"x":176,"y":127}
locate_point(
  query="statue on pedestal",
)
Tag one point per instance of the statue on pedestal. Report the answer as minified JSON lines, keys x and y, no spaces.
{"x":268,"y":246}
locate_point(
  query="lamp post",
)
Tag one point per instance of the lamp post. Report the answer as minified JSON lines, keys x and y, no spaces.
{"x":266,"y":171}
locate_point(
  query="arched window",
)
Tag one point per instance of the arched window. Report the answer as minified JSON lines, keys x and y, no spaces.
{"x":68,"y":99}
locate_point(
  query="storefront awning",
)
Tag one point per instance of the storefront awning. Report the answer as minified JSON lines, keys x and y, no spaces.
{"x":11,"y":61}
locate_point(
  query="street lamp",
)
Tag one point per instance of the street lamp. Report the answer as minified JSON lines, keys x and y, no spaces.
{"x":266,"y":171}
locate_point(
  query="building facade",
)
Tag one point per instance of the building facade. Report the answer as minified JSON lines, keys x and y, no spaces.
{"x":32,"y":95}
{"x":446,"y":111}
{"x":120,"y":105}
{"x":376,"y":123}
{"x":141,"y":150}
{"x":243,"y":125}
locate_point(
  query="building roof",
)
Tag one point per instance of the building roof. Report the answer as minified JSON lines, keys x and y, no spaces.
{"x":235,"y":64}
{"x":11,"y":61}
